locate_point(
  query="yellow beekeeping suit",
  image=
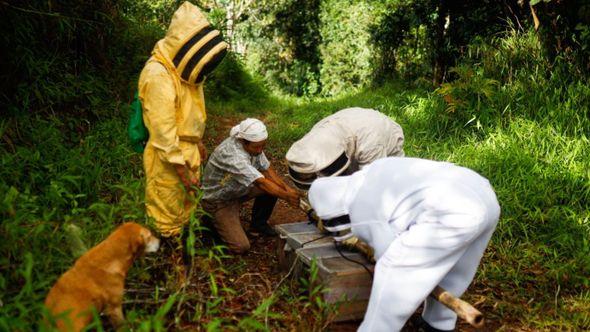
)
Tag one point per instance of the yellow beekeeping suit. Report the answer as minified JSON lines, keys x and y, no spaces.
{"x":171,"y":94}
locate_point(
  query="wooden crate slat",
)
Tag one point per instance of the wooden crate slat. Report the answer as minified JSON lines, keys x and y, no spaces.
{"x":324,"y":252}
{"x":295,"y":228}
{"x":308,"y":240}
{"x":341,"y":266}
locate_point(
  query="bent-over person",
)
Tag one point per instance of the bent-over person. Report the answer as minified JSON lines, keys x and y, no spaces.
{"x":428,"y":223}
{"x":236,"y":172}
{"x":343,"y":143}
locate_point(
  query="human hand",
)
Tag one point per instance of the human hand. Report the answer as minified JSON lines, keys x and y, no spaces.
{"x":194,"y":181}
{"x":293,"y":198}
{"x":187,"y":177}
{"x":293,"y":191}
{"x":202,"y":150}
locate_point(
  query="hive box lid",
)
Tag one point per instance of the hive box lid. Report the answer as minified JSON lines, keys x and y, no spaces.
{"x":296,"y":228}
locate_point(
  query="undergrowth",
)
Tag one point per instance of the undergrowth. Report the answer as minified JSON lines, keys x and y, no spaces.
{"x":505,"y":115}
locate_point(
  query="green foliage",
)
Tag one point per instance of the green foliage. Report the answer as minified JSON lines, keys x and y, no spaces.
{"x":63,"y":55}
{"x":507,"y":110}
{"x":563,"y":30}
{"x":319,"y":312}
{"x":46,"y":188}
{"x":469,"y":85}
{"x":401,"y":40}
{"x":150,"y":14}
{"x":253,"y":322}
{"x":230,"y":81}
{"x":283,"y":46}
{"x":306,"y":48}
{"x":364,"y":42}
{"x":346,"y":52}
{"x":156,"y":322}
{"x":331,"y":47}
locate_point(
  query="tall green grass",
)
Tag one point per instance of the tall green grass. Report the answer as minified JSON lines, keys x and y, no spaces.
{"x":50,"y":179}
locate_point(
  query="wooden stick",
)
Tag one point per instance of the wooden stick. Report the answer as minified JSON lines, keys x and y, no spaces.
{"x":463,"y":309}
{"x":535,"y":18}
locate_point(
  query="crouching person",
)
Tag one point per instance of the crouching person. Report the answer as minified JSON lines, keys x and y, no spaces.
{"x":238,"y":171}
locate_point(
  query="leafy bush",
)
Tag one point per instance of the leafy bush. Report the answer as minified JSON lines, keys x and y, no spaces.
{"x":346,"y":51}
{"x":282,"y":46}
{"x":230,"y":81}
{"x":69,"y":57}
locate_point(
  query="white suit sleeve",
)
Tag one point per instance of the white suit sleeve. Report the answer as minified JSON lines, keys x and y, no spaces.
{"x":158,"y":95}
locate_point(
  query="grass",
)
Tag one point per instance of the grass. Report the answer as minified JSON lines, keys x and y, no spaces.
{"x":528,"y":135}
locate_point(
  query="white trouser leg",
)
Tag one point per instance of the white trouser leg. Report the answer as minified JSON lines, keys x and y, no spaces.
{"x":420,"y":258}
{"x":456,"y":282}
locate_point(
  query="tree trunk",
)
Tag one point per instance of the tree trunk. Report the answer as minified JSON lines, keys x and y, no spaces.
{"x":439,"y":66}
{"x":230,"y":17}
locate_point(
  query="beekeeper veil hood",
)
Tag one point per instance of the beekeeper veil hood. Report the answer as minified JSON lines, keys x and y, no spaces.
{"x":322,"y":152}
{"x":252,"y":130}
{"x":191,"y":46}
{"x":331,"y":197}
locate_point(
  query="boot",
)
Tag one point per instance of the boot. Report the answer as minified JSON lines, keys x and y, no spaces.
{"x":261,"y":211}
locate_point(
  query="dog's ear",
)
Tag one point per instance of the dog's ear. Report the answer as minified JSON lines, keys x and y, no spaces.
{"x":134,"y":238}
{"x":145,"y":235}
{"x":141,"y":239}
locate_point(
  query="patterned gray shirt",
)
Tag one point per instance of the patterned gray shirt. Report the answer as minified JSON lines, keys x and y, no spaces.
{"x":231,"y":171}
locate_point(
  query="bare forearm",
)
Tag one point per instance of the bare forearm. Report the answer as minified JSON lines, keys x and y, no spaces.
{"x":202,"y":151}
{"x":271,"y":175}
{"x":181,"y":170}
{"x":272,"y":188}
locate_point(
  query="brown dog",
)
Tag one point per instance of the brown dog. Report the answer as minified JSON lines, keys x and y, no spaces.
{"x":97,"y":279}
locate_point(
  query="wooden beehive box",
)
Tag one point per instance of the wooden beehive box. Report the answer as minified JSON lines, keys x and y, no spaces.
{"x":301,"y":234}
{"x":347,"y":283}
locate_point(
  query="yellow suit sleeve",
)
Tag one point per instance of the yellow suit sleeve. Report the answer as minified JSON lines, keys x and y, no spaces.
{"x":158,"y":97}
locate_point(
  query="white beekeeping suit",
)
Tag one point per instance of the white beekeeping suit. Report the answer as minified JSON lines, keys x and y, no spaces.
{"x":429,"y":223}
{"x":345,"y":141}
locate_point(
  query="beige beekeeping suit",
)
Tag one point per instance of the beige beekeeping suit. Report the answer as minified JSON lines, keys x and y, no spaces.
{"x":345,"y":141}
{"x":171,"y":94}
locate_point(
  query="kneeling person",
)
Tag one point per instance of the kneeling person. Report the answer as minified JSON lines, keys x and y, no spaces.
{"x":238,"y":171}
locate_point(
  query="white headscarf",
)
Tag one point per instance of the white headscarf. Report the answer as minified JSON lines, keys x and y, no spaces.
{"x":252,"y":130}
